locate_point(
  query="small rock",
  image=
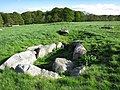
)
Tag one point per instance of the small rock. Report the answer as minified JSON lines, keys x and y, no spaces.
{"x":63,"y":32}
{"x":77,"y":71}
{"x":8,"y":25}
{"x":62,"y":65}
{"x":108,"y":27}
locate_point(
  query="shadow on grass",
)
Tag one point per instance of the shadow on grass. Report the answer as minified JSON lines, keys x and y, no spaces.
{"x":1,"y":62}
{"x":66,"y":52}
{"x":104,"y":53}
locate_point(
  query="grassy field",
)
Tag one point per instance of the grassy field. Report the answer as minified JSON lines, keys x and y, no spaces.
{"x":104,"y":44}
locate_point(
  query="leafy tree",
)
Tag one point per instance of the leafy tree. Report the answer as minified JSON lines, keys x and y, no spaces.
{"x":90,"y":17}
{"x":38,"y":17}
{"x":111,"y":18}
{"x":1,"y":21}
{"x":78,"y":16}
{"x":17,"y":18}
{"x":68,"y":14}
{"x":7,"y":18}
{"x":118,"y":17}
{"x":104,"y":17}
{"x":48,"y":17}
{"x":57,"y":14}
{"x":27,"y":16}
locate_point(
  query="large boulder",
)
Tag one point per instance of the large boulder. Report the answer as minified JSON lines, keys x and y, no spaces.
{"x":33,"y":48}
{"x":77,"y":71}
{"x":79,"y":50}
{"x":27,"y":57}
{"x":51,"y":47}
{"x":62,"y":65}
{"x":41,"y":51}
{"x":34,"y":71}
{"x":44,"y":50}
{"x":59,"y":45}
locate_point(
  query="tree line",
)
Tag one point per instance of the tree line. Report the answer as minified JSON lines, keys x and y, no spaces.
{"x":55,"y":15}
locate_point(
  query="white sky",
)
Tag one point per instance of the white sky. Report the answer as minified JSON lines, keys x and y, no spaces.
{"x":99,"y":9}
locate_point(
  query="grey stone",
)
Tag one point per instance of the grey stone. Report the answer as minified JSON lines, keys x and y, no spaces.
{"x":8,"y":25}
{"x":44,"y":50}
{"x":62,"y":65}
{"x":51,"y":47}
{"x":27,"y":57}
{"x":108,"y":27}
{"x":76,"y":43}
{"x":77,"y":71}
{"x":79,"y":50}
{"x":63,"y":32}
{"x":59,"y":45}
{"x":35,"y":71}
{"x":41,"y":51}
{"x":34,"y":47}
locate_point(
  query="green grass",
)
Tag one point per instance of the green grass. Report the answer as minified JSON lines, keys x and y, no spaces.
{"x":104,"y":44}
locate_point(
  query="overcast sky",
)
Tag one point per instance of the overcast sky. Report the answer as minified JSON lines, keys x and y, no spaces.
{"x":98,"y":7}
